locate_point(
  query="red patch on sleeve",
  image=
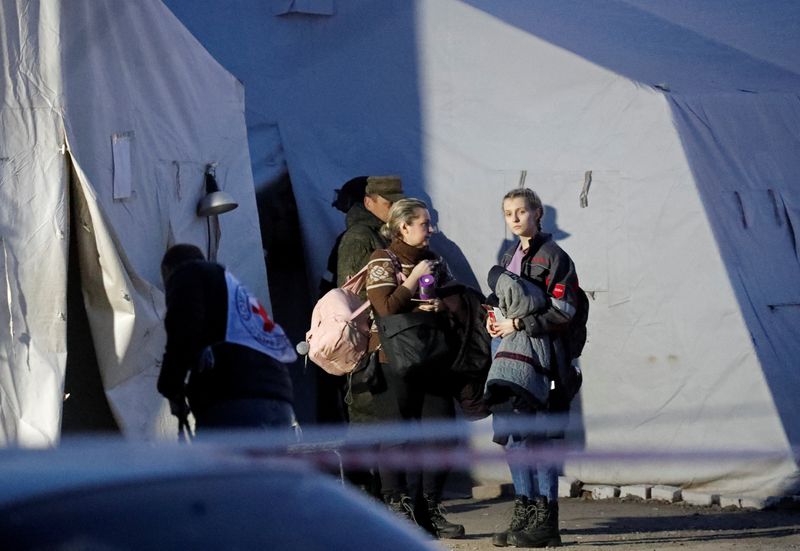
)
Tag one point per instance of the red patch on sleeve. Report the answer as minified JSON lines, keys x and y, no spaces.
{"x":559,"y":290}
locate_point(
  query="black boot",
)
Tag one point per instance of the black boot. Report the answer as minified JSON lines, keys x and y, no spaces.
{"x":441,"y":527}
{"x":519,"y":519}
{"x":402,"y":506}
{"x":542,"y":528}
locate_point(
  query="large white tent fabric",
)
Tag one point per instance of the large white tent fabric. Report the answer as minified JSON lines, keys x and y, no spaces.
{"x":685,"y":113}
{"x":119,"y":101}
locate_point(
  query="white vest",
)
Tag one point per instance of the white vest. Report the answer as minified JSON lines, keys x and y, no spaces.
{"x":249,"y":324}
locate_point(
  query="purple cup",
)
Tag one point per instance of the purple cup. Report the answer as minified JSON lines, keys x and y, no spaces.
{"x":426,"y":287}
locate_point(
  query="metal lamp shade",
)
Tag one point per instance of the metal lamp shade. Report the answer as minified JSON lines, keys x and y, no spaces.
{"x":215,"y":201}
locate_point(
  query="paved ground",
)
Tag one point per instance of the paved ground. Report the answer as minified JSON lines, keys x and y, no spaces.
{"x":636,"y":525}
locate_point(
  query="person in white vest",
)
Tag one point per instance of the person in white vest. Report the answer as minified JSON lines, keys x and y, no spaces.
{"x":219,"y":335}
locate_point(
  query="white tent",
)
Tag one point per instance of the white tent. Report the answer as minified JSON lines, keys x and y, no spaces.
{"x":687,"y":116}
{"x":117,"y":101}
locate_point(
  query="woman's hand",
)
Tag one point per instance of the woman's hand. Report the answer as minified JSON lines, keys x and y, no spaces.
{"x":433,"y":305}
{"x":422,"y":268}
{"x":491,"y":327}
{"x":504,"y":328}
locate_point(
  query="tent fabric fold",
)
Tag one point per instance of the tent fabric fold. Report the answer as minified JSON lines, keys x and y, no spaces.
{"x":72,"y":79}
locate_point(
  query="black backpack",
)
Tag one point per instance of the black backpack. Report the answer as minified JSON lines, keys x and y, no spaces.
{"x":568,"y":377}
{"x":576,"y":337}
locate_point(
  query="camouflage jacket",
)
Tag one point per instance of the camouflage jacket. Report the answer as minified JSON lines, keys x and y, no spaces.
{"x":359,"y":241}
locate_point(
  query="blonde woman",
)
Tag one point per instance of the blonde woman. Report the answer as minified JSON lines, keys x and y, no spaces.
{"x":536,"y":258}
{"x":426,"y":392}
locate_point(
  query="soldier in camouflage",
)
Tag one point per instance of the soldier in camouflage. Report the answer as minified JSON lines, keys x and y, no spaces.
{"x":360,"y":240}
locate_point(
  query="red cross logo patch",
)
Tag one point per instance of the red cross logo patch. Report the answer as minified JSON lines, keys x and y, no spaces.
{"x":261,"y":311}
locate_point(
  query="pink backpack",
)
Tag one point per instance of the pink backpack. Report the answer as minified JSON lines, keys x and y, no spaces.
{"x":339,"y":334}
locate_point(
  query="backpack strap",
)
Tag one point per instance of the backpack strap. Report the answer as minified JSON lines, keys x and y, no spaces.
{"x":398,"y":266}
{"x":354,"y":284}
{"x":361,"y":309}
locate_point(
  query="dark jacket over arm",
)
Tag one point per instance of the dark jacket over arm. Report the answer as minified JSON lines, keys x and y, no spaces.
{"x":383,"y":291}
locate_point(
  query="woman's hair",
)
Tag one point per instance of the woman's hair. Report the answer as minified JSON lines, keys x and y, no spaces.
{"x":402,"y":211}
{"x":532,"y":201}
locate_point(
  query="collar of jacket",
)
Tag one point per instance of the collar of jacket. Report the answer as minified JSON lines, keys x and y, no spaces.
{"x":536,"y":243}
{"x":410,"y":255}
{"x":359,"y":215}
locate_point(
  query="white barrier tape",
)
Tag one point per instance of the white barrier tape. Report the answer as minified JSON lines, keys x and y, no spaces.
{"x":437,"y":444}
{"x":446,"y":443}
{"x":571,"y":424}
{"x":463,"y":457}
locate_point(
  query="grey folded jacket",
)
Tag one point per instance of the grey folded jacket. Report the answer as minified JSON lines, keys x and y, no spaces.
{"x":521,"y":367}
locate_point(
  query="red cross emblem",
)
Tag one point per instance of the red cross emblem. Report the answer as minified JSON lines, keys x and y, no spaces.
{"x":258,"y":309}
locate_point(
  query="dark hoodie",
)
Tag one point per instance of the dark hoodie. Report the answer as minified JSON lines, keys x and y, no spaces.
{"x":197,"y":313}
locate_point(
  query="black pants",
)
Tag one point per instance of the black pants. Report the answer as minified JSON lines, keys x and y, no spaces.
{"x":422,"y":396}
{"x":248,"y":414}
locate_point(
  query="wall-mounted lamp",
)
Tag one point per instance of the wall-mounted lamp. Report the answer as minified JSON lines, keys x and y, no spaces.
{"x":215,"y":201}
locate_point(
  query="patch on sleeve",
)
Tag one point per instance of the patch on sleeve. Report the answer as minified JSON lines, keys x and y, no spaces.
{"x":378,"y":273}
{"x":559,"y":290}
